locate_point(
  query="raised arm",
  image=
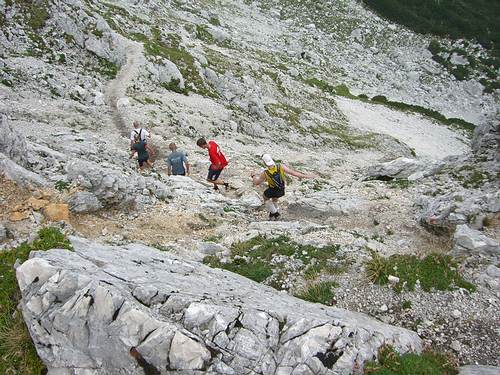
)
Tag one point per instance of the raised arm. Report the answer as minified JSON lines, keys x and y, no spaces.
{"x":294,"y":173}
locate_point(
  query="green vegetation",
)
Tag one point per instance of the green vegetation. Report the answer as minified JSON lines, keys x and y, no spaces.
{"x":214,"y":21}
{"x":202,"y":33}
{"x":319,"y":292}
{"x":428,"y":363}
{"x":406,"y":305}
{"x":17,"y":353}
{"x":347,"y":136}
{"x":401,"y":183}
{"x":471,"y":177}
{"x":286,"y":112}
{"x":343,"y":90}
{"x":254,"y":259}
{"x":168,"y":46}
{"x":435,"y":271}
{"x":62,"y":185}
{"x":475,"y":20}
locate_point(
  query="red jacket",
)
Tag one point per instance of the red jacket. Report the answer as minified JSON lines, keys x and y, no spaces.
{"x":216,"y":156}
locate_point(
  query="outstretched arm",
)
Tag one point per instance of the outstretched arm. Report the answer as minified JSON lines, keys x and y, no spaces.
{"x":294,"y":173}
{"x":258,"y":179}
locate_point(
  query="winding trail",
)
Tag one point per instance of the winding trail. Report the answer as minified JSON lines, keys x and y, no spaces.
{"x":117,"y":88}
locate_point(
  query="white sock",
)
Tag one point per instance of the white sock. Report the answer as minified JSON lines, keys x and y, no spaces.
{"x":271,"y":207}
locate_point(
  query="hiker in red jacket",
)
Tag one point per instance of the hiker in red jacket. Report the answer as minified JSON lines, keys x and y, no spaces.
{"x":218,"y":162}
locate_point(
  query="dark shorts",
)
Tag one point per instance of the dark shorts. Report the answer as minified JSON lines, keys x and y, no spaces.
{"x":274,"y":193}
{"x":142,"y":161}
{"x":213,"y":174}
{"x":179,"y":174}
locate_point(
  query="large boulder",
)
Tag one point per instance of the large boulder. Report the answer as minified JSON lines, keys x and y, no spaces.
{"x":471,"y":242}
{"x":19,"y":174}
{"x":12,"y":143}
{"x":112,"y":186}
{"x":324,"y":204}
{"x":401,"y":168}
{"x":122,"y":310}
{"x":83,"y":201}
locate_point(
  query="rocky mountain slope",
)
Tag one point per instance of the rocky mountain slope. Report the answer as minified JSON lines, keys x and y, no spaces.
{"x":326,"y":87}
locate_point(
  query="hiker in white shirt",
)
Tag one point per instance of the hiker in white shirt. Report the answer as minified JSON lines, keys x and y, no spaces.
{"x":139,"y":132}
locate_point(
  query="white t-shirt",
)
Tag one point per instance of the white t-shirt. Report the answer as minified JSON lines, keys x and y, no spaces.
{"x":141,"y":132}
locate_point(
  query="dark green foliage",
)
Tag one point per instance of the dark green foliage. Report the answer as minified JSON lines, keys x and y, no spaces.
{"x":435,"y":271}
{"x":319,"y":292}
{"x":253,"y":269}
{"x":402,"y":183}
{"x":214,"y":21}
{"x":17,"y":353}
{"x":428,"y":363}
{"x":62,"y":185}
{"x":477,"y":19}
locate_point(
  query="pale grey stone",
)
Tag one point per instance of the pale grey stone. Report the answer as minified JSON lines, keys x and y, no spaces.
{"x":84,"y":201}
{"x":93,"y":302}
{"x":187,"y":354}
{"x":19,"y":174}
{"x":479,"y":370}
{"x":470,"y":242}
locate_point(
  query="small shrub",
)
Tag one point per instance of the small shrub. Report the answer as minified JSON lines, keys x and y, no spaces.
{"x":214,"y":21}
{"x":428,"y":363}
{"x":406,"y":305}
{"x":62,"y":185}
{"x":319,"y":292}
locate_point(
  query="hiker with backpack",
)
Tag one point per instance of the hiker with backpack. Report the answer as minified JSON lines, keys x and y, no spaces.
{"x":139,"y":132}
{"x":218,"y":162}
{"x":143,"y":153}
{"x":274,"y":175}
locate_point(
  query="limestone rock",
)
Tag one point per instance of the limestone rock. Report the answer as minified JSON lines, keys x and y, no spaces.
{"x":401,"y":168}
{"x":84,"y":201}
{"x":478,"y":370}
{"x":56,"y":212}
{"x":470,"y":242}
{"x":3,"y":232}
{"x":324,"y":204}
{"x":98,"y":303}
{"x":187,"y":354}
{"x":19,"y":174}
{"x":12,"y":143}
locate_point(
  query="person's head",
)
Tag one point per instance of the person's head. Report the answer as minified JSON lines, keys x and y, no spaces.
{"x":136,"y":124}
{"x":202,"y":142}
{"x":268,"y":160}
{"x":172,"y":147}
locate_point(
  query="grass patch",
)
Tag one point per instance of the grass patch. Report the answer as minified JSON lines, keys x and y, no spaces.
{"x":435,"y":271}
{"x":35,"y":12}
{"x":471,"y":177}
{"x":17,"y":353}
{"x":428,"y":363}
{"x":168,"y":46}
{"x":321,"y":292}
{"x":347,"y":137}
{"x":256,"y":257}
{"x":401,"y":183}
{"x":289,"y":113}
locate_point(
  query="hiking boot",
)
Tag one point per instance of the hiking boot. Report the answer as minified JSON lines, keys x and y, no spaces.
{"x":216,"y":188}
{"x":226,"y":185}
{"x":276,"y":216}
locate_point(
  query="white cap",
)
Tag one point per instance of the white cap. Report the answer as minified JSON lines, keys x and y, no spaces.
{"x":268,"y":160}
